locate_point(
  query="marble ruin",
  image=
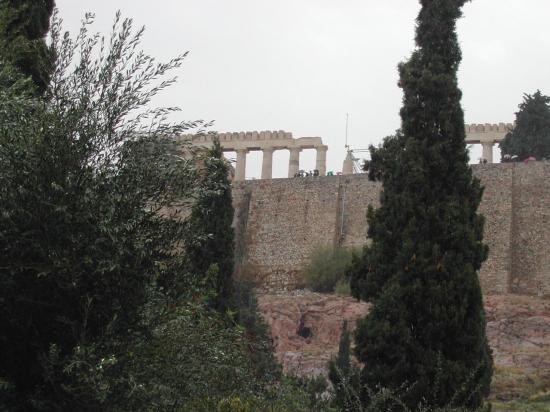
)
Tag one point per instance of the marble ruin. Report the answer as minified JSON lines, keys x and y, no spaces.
{"x":487,"y":135}
{"x":267,"y":142}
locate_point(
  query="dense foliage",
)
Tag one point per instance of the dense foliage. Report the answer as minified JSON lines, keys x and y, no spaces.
{"x":245,"y":304}
{"x":531,"y":135}
{"x":210,"y":244}
{"x":424,"y":338}
{"x":107,"y":302}
{"x":80,"y":190}
{"x":24,"y":25}
{"x":382,"y":158}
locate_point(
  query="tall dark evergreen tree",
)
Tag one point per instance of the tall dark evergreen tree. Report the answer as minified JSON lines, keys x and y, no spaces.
{"x":531,"y":136}
{"x":24,"y":25}
{"x":211,"y":245}
{"x":425,"y":335}
{"x":343,"y":375}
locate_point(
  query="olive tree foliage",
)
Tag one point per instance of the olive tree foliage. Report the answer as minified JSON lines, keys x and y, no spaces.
{"x":87,"y":174}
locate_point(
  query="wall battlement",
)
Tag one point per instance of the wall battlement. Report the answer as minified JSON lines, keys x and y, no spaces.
{"x":234,"y":141}
{"x":487,"y":128}
{"x":235,"y":136}
{"x":487,"y":134}
{"x":278,"y":223}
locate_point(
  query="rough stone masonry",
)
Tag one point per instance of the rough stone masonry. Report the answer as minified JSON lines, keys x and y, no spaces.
{"x":279,"y":222}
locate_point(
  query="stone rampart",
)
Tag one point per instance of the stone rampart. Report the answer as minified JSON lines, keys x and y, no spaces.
{"x":530,"y":234}
{"x":279,"y":222}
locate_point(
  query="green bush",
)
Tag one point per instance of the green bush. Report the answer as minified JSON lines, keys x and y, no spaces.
{"x":194,"y":353}
{"x":343,"y":288}
{"x":327,"y":266}
{"x":291,"y":394}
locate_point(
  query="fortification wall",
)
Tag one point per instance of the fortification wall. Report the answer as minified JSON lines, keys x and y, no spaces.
{"x":278,"y":223}
{"x":496,"y":207}
{"x":530,"y":244}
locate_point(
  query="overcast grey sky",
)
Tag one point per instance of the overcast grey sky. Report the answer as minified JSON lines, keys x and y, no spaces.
{"x":301,"y":65}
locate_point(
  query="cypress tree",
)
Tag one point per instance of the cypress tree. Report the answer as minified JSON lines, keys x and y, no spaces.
{"x":531,"y":136}
{"x":211,"y":237}
{"x":342,"y":364}
{"x":24,"y":25}
{"x":343,"y":375}
{"x":425,"y":335}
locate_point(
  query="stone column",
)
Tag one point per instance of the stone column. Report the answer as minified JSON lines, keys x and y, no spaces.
{"x":488,"y":151}
{"x":321,"y":162}
{"x":267,"y":163}
{"x":294,"y":161}
{"x":240,"y":168}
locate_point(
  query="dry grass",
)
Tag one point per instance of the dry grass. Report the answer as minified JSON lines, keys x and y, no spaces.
{"x":514,"y":390}
{"x":541,"y":405}
{"x":513,"y":383}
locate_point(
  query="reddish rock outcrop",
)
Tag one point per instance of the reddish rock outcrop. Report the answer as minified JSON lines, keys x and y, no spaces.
{"x":306,"y":328}
{"x":518,"y":328}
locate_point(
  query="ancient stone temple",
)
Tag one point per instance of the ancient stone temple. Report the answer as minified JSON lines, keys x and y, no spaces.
{"x":267,"y":142}
{"x":487,"y":135}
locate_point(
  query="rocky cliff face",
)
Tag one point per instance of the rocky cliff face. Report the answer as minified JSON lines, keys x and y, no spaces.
{"x":518,"y":328}
{"x":306,"y":327}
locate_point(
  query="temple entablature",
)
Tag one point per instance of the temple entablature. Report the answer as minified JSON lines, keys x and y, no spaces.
{"x":267,"y":142}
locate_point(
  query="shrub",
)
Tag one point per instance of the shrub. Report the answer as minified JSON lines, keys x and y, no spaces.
{"x":327,"y":266}
{"x":343,"y":288}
